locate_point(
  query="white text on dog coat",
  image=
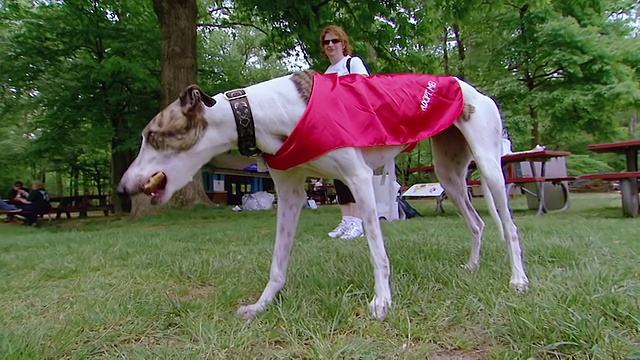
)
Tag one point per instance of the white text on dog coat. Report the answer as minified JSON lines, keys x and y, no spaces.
{"x":426,"y":97}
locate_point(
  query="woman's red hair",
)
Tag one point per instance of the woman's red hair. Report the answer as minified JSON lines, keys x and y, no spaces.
{"x":341,"y":34}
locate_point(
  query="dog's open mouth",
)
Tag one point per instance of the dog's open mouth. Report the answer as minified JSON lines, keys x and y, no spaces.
{"x":155,"y":186}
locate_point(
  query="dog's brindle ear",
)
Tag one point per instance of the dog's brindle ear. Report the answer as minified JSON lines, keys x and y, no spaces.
{"x":192,"y":96}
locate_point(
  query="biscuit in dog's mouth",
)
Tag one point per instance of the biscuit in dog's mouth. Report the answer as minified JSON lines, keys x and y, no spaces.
{"x":155,"y":186}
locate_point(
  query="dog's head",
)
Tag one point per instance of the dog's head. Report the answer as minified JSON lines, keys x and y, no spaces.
{"x":176,"y":144}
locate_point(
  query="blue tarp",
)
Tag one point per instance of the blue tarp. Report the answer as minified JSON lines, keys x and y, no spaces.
{"x":252,"y":168}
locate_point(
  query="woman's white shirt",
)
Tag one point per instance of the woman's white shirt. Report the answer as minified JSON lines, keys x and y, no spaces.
{"x":357,"y":67}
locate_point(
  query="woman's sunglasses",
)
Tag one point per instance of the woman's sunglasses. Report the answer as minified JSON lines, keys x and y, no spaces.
{"x":332,"y":41}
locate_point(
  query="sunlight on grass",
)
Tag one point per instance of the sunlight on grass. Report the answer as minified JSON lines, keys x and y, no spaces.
{"x":168,"y":286}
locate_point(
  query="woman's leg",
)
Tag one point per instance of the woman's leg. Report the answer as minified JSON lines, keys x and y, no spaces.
{"x":6,"y":206}
{"x":350,"y":226}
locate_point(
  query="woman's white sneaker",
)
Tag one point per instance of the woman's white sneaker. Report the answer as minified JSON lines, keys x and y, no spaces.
{"x":354,"y":230}
{"x":339,"y":230}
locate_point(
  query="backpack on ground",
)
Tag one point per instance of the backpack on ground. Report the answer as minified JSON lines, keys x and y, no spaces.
{"x":409,"y":211}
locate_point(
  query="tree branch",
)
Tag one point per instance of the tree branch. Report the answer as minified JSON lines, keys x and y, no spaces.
{"x":547,"y":74}
{"x":230,"y":25}
{"x":224,"y":9}
{"x":315,"y":8}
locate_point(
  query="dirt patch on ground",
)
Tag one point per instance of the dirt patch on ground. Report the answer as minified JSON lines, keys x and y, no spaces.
{"x":193,"y":292}
{"x":155,"y":227}
{"x":458,"y":355}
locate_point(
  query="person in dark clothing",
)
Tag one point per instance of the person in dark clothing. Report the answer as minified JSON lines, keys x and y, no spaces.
{"x":18,"y":191}
{"x":38,"y":202}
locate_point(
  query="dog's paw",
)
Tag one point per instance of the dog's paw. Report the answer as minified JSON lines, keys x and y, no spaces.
{"x":520,"y":284}
{"x":470,"y":266}
{"x":249,"y":312}
{"x":379,"y":307}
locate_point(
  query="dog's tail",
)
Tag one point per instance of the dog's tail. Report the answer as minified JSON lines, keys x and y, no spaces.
{"x":492,"y":206}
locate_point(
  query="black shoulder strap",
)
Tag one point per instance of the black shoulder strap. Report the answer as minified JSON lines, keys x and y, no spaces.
{"x":363,"y":63}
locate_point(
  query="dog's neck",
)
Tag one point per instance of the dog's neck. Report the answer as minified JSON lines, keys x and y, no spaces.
{"x":276,"y":106}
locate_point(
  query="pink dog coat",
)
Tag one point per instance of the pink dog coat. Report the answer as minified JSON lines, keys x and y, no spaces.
{"x":363,"y":111}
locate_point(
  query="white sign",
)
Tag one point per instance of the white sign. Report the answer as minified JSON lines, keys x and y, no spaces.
{"x":432,"y":189}
{"x":218,"y":185}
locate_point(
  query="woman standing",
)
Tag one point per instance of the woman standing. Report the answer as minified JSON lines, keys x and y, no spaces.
{"x":336,"y":48}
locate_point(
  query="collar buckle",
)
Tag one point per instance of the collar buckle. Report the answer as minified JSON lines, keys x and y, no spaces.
{"x":234,"y":94}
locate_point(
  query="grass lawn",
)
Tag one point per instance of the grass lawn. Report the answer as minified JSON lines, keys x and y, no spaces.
{"x":168,"y":286}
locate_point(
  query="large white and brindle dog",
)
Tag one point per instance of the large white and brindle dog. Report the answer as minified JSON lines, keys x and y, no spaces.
{"x":194,"y":128}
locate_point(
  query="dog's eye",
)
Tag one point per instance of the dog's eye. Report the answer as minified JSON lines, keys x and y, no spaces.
{"x":151,"y":134}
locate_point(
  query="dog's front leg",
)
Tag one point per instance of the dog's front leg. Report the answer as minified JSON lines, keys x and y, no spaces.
{"x":362,"y":189}
{"x":291,"y":195}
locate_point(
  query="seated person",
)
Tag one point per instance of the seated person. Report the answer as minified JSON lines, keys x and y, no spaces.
{"x":318,"y":185}
{"x":36,"y":203}
{"x":18,"y":191}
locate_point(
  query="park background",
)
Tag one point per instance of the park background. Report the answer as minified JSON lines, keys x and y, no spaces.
{"x":80,"y":79}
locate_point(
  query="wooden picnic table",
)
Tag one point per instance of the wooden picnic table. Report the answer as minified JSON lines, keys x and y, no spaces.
{"x":539,"y":178}
{"x":324,"y":194}
{"x":628,"y":179}
{"x":81,"y":204}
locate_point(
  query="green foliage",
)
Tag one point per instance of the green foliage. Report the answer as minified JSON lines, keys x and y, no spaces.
{"x":14,"y":163}
{"x":85,"y":74}
{"x":79,"y":79}
{"x":382,"y":32}
{"x":564,"y":70}
{"x":584,"y":164}
{"x":230,"y":59}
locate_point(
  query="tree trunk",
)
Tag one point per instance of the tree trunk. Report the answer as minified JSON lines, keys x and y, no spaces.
{"x":120,"y":161}
{"x":178,"y":21}
{"x":633,"y":124}
{"x":59,"y":184}
{"x":445,"y":51}
{"x":461,"y":52}
{"x":535,"y":127}
{"x":86,"y":183}
{"x":75,"y":179}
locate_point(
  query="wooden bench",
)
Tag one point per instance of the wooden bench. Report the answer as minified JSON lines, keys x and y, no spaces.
{"x":524,"y":180}
{"x":517,"y":181}
{"x":22,"y":213}
{"x":59,"y":210}
{"x":628,"y":188}
{"x":82,"y":210}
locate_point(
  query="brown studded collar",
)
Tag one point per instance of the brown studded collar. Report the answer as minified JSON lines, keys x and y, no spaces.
{"x":244,"y":121}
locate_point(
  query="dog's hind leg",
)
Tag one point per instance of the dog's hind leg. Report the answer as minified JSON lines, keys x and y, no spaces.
{"x":291,"y":195}
{"x":451,"y":157}
{"x":483,"y":132}
{"x":360,"y":180}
